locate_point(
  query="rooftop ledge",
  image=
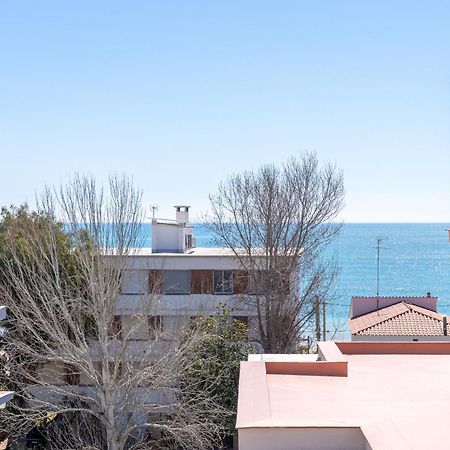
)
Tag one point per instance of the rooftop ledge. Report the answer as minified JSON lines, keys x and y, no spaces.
{"x":332,"y":359}
{"x":268,"y":387}
{"x":330,"y":362}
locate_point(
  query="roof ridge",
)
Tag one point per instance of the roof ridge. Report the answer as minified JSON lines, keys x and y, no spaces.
{"x":426,"y":312}
{"x":393,"y":296}
{"x":374,"y":319}
{"x":384,"y":310}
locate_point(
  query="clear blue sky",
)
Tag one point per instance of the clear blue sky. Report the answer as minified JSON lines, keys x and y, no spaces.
{"x":180,"y":94}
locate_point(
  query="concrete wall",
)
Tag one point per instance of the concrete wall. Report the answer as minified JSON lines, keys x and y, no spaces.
{"x":168,"y":237}
{"x":178,"y":304}
{"x":182,"y":261}
{"x":364,"y":305}
{"x":321,"y":438}
{"x":357,"y":338}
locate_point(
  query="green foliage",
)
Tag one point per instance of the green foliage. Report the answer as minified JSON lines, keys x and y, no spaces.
{"x":222,"y":345}
{"x":29,"y":239}
{"x":24,"y":232}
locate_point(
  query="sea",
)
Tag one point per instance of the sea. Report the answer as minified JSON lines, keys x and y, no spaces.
{"x":414,"y":260}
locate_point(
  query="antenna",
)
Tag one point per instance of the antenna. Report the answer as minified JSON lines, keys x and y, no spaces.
{"x":154,"y":208}
{"x":380,"y":240}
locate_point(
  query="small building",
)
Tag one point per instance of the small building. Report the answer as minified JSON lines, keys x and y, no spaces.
{"x":356,"y":396}
{"x":4,"y":395}
{"x":397,"y":319}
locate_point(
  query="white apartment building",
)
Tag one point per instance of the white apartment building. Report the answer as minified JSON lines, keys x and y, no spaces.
{"x":169,"y":284}
{"x":187,"y":281}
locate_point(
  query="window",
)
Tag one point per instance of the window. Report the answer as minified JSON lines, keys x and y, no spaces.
{"x":155,"y":281}
{"x":135,"y":282}
{"x":90,"y":327}
{"x":115,"y":331}
{"x":177,"y":282}
{"x":223,"y":282}
{"x":112,"y":366}
{"x":256,"y":282}
{"x":31,"y":373}
{"x":200,"y":321}
{"x":240,"y":281}
{"x":262,"y":282}
{"x":201,"y":281}
{"x":154,"y":326}
{"x":242,"y":320}
{"x":71,"y":375}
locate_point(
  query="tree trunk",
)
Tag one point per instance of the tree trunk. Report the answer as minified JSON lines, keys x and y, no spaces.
{"x":112,"y":432}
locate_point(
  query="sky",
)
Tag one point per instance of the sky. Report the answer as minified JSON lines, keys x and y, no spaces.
{"x":182,"y":94}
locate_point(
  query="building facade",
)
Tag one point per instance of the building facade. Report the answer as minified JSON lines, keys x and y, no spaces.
{"x":181,"y":280}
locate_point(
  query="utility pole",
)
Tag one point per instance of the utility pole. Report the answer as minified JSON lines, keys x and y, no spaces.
{"x":380,"y":240}
{"x":154,"y":208}
{"x":324,"y":321}
{"x":317,"y":312}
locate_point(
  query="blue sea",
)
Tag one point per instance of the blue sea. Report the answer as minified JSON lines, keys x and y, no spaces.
{"x":414,"y":260}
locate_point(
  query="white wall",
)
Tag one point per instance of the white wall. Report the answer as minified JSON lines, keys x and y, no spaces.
{"x":320,"y":438}
{"x":167,"y":237}
{"x":179,"y":304}
{"x":177,"y":261}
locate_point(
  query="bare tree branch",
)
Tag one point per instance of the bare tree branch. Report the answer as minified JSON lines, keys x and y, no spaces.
{"x":278,"y":221}
{"x":68,"y":359}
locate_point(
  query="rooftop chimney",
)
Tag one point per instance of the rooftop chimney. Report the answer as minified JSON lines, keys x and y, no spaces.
{"x":182,"y":214}
{"x":173,"y":237}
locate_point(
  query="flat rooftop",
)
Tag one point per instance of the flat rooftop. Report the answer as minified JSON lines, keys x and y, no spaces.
{"x":197,"y":251}
{"x":397,"y":393}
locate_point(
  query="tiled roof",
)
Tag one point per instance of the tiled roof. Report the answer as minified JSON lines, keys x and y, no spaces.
{"x":379,"y":297}
{"x":401,"y":319}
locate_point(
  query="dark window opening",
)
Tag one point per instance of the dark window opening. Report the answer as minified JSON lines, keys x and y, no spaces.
{"x":223,"y":282}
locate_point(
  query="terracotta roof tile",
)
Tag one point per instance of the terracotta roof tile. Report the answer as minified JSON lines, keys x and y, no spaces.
{"x":401,"y":319}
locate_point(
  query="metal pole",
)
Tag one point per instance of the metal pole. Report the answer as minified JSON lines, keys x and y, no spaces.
{"x":379,"y":242}
{"x":324,"y":321}
{"x":318,"y":333}
{"x":378,"y":267}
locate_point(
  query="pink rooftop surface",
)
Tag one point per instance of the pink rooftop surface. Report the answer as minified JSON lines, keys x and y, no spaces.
{"x":397,"y":393}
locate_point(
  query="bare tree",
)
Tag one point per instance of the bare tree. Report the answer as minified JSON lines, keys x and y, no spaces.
{"x":73,"y":366}
{"x":278,"y":221}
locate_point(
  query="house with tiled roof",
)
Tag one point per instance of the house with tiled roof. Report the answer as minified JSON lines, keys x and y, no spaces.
{"x":397,"y":319}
